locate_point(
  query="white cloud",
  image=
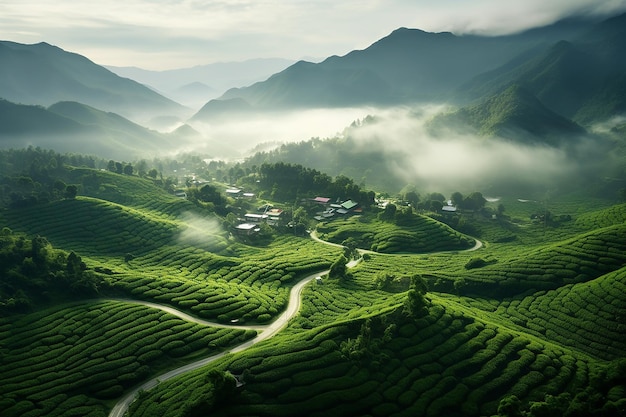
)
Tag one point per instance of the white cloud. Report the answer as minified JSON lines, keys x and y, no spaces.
{"x":177,"y":33}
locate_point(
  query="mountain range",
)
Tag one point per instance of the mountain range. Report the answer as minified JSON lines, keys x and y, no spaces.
{"x":195,"y":86}
{"x":534,"y":86}
{"x":574,"y":67}
{"x":44,"y":74}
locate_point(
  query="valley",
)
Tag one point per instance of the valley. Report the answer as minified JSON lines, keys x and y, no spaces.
{"x":432,"y":225}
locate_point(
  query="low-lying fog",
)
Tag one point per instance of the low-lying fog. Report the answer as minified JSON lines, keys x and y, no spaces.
{"x":446,"y":161}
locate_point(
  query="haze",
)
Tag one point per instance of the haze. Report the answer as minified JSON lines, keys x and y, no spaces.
{"x":169,"y":34}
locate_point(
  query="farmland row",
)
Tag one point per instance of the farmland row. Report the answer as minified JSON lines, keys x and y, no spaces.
{"x":575,"y":260}
{"x":587,"y":316}
{"x":444,"y":364}
{"x":422,"y":235}
{"x":60,"y":360}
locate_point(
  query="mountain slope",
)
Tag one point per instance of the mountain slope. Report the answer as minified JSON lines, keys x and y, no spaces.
{"x":584,"y":79}
{"x":513,"y":114}
{"x":406,"y":66}
{"x":75,"y":127}
{"x":44,"y":74}
{"x":214,"y":78}
{"x":18,"y":120}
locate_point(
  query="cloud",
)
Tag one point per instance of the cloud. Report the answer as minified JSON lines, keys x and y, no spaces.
{"x":166,"y":34}
{"x":235,"y":138}
{"x":452,"y":161}
{"x":199,"y":231}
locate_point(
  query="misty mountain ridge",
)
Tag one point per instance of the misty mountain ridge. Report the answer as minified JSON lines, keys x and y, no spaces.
{"x":78,"y":128}
{"x":584,"y":79}
{"x":43,"y":74}
{"x":514,"y":114}
{"x":574,"y":67}
{"x":196,"y":85}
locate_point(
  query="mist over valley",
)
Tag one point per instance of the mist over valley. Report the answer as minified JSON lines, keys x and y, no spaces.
{"x":432,"y":223}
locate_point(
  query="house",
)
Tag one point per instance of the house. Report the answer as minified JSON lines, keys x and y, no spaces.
{"x":449,"y":209}
{"x":255,"y":217}
{"x":346,"y":207}
{"x":273,"y":216}
{"x":233,"y":192}
{"x":321,"y":200}
{"x":249,"y":196}
{"x":247,"y":229}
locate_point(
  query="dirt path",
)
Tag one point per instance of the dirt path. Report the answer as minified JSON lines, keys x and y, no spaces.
{"x":266,"y":331}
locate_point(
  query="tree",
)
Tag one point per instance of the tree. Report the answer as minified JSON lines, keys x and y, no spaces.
{"x":416,"y":304}
{"x":153,"y":173}
{"x":71,"y":191}
{"x":457,"y":198}
{"x":339,"y":269}
{"x":474,"y":201}
{"x":128,"y":169}
{"x":389,"y":213}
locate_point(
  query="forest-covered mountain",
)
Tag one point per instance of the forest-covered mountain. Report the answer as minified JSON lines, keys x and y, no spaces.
{"x":44,"y":74}
{"x":583,"y":79}
{"x":75,"y":127}
{"x":190,"y":86}
{"x":408,"y":66}
{"x":514,"y":113}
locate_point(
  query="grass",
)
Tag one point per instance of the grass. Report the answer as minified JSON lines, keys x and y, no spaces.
{"x":86,"y":354}
{"x":543,"y":313}
{"x":422,"y":234}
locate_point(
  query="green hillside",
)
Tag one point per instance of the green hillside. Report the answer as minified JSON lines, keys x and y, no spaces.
{"x":425,"y":323}
{"x":44,"y":74}
{"x":419,"y":234}
{"x":514,"y":114}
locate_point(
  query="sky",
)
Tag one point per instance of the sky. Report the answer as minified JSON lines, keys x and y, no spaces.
{"x":171,"y":34}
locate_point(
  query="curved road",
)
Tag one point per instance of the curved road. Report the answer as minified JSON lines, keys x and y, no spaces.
{"x":266,"y":331}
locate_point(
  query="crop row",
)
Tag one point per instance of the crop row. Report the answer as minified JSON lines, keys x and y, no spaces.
{"x":587,"y":316}
{"x":225,"y":288}
{"x":336,"y":301}
{"x":610,"y":216}
{"x":423,"y":235}
{"x":444,"y":364}
{"x":579,"y":259}
{"x":97,"y":350}
{"x":95,"y":226}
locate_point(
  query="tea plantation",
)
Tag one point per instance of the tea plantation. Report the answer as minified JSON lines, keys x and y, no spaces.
{"x":530,"y":323}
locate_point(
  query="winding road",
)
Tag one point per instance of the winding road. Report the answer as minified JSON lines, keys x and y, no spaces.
{"x":265,"y":331}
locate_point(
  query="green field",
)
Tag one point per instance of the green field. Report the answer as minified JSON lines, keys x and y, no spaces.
{"x":539,"y":312}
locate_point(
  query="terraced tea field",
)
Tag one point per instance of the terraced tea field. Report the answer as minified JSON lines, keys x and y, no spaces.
{"x":72,"y":360}
{"x":542,"y":314}
{"x":422,"y":235}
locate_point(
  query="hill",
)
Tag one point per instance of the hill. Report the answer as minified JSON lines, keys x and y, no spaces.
{"x":580,"y":79}
{"x":409,"y":65}
{"x":198,"y":84}
{"x":540,"y":319}
{"x":75,"y":127}
{"x":44,"y":74}
{"x":514,"y":114}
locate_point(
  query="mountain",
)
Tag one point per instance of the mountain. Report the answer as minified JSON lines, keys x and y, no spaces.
{"x":43,"y":74}
{"x":78,"y":128}
{"x":583,"y":79}
{"x":196,"y":85}
{"x":409,"y":65}
{"x":20,"y":121}
{"x":216,"y":110}
{"x":514,"y":114}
